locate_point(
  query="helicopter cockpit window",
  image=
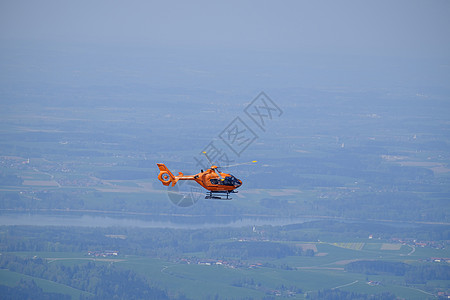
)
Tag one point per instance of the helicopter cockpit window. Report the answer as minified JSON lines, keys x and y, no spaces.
{"x":229,"y":180}
{"x":215,"y":181}
{"x":233,"y":181}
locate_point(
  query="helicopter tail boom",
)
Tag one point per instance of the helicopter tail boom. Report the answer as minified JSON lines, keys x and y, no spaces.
{"x":165,"y":176}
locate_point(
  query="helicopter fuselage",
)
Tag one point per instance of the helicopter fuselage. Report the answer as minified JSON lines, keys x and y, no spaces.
{"x":212,"y":182}
{"x":209,"y":179}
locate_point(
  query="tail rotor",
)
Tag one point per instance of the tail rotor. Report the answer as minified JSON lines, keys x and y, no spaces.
{"x":165,"y":176}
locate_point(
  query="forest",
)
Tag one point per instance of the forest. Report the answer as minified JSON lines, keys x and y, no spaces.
{"x":413,"y":274}
{"x":98,"y":281}
{"x":344,"y":295}
{"x":28,"y":289}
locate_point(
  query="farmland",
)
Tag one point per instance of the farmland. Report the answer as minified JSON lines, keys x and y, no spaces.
{"x":302,"y":268}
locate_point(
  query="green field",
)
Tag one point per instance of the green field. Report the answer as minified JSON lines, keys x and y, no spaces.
{"x":291,"y":274}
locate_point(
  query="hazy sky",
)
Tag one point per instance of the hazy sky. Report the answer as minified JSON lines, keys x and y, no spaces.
{"x":392,"y":28}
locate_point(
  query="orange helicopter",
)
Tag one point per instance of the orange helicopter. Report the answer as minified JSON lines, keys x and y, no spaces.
{"x":217,"y":183}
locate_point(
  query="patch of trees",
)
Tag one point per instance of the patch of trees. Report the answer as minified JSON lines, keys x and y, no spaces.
{"x":337,"y":294}
{"x":28,"y":289}
{"x":102,"y":281}
{"x":423,"y":273}
{"x":412,"y":274}
{"x":247,"y":283}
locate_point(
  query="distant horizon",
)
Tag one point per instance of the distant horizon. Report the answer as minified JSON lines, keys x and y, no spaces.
{"x":400,"y":29}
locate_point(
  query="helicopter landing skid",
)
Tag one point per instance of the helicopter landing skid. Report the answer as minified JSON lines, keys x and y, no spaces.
{"x":217,"y":195}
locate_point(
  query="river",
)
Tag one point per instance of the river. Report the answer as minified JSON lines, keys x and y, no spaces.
{"x":153,"y":221}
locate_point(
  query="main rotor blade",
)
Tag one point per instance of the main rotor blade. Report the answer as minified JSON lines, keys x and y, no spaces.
{"x":247,"y":163}
{"x":207,"y":157}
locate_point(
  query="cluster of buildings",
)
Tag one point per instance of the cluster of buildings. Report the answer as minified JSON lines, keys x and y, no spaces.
{"x":14,"y":162}
{"x":106,"y":253}
{"x":233,"y":264}
{"x":439,"y":259}
{"x":443,"y":295}
{"x":422,"y":244}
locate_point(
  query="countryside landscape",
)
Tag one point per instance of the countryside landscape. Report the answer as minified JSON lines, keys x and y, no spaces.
{"x":337,"y":114}
{"x":361,"y":214}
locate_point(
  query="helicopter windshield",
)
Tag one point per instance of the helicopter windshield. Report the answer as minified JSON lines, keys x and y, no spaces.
{"x":231,"y":180}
